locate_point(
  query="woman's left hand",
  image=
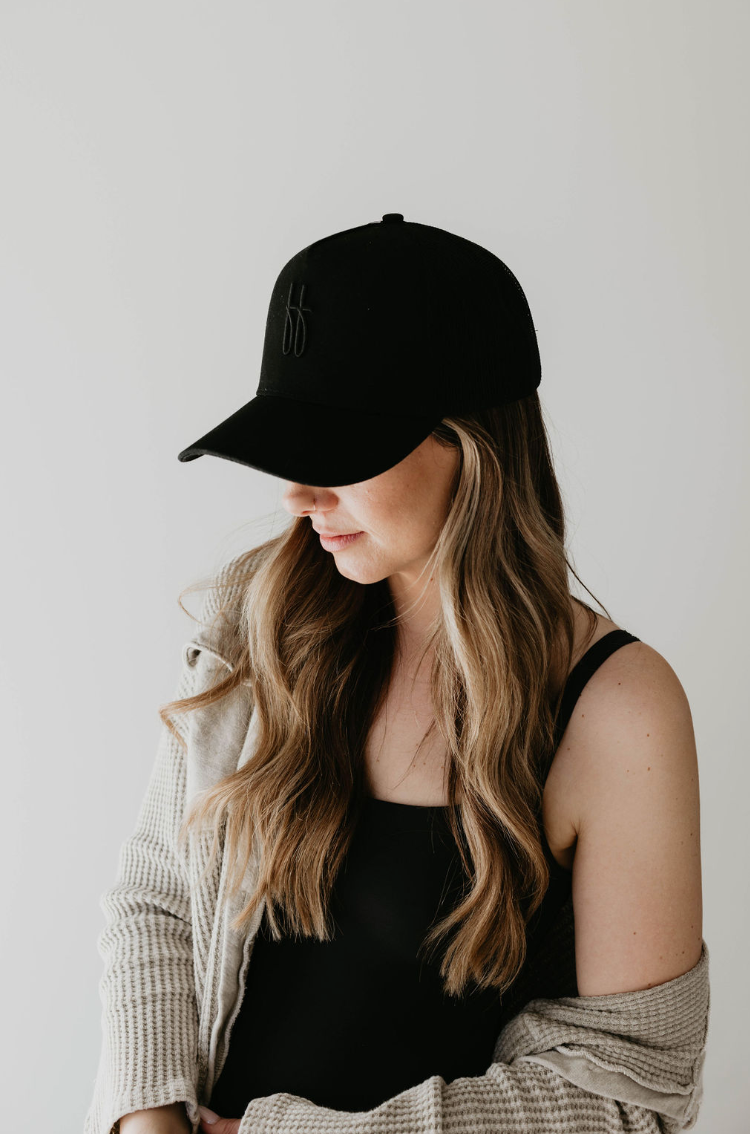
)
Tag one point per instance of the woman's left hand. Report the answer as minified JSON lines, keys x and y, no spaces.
{"x":218,"y":1125}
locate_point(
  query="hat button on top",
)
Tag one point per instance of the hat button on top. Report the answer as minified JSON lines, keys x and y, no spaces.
{"x":393,"y":216}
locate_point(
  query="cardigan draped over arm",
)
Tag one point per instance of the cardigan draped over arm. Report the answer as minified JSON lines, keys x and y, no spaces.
{"x":630,"y":1061}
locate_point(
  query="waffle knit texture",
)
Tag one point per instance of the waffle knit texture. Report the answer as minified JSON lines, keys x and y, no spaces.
{"x":174,"y":973}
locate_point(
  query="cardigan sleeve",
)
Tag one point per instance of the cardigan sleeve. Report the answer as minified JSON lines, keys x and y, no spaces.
{"x":611,"y":1064}
{"x":150,"y":1019}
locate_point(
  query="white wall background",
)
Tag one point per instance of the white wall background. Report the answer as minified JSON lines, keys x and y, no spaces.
{"x":160,"y":163}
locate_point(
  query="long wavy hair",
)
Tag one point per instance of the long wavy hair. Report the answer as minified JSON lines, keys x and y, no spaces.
{"x":318,"y":650}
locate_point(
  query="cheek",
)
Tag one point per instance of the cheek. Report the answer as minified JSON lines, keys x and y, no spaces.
{"x":406,"y":517}
{"x":409,"y":536}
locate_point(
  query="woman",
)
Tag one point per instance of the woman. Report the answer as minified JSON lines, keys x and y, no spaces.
{"x":425,"y":783}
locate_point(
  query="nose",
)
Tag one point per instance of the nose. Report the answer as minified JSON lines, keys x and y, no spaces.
{"x":300,"y":499}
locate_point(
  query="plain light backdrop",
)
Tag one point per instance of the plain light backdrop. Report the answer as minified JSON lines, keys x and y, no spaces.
{"x":160,"y":163}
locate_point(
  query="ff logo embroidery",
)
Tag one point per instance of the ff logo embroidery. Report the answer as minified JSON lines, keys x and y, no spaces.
{"x":295,"y":328}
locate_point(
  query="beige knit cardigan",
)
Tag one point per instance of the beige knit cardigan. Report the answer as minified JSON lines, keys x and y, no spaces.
{"x":174,"y":973}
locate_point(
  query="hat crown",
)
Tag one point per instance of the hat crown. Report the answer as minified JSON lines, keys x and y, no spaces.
{"x":398,"y":316}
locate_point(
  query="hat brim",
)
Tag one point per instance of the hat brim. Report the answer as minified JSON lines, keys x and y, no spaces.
{"x":312,"y":444}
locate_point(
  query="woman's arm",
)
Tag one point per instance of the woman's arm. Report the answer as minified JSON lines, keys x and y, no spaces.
{"x":150,"y":1012}
{"x":635,"y":805}
{"x":170,"y":1119}
{"x":150,"y":1015}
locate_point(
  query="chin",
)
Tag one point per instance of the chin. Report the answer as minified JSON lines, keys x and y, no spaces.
{"x":360,"y":572}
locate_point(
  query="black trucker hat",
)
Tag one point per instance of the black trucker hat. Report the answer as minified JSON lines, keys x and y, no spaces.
{"x":373,"y":336}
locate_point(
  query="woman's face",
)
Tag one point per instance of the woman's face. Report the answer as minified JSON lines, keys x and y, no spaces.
{"x":399,"y":514}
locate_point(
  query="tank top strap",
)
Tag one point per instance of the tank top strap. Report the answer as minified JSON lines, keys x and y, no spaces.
{"x":584,"y":668}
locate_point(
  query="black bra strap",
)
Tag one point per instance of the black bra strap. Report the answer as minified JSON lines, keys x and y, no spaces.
{"x":582,"y":671}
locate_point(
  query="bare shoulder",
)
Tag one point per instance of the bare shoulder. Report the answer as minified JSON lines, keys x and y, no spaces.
{"x":633,"y":705}
{"x":635,"y":682}
{"x":632,"y":674}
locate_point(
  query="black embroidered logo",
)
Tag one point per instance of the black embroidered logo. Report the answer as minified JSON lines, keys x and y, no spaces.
{"x":295,"y":328}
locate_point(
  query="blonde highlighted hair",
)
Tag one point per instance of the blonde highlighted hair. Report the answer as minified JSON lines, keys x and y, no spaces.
{"x":317,"y":650}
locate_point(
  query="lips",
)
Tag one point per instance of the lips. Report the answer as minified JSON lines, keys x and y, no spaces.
{"x":336,"y":543}
{"x":333,"y":535}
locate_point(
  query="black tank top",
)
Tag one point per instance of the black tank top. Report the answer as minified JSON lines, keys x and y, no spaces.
{"x":351,"y":1022}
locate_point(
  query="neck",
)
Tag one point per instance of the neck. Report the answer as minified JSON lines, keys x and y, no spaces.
{"x":417,"y":604}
